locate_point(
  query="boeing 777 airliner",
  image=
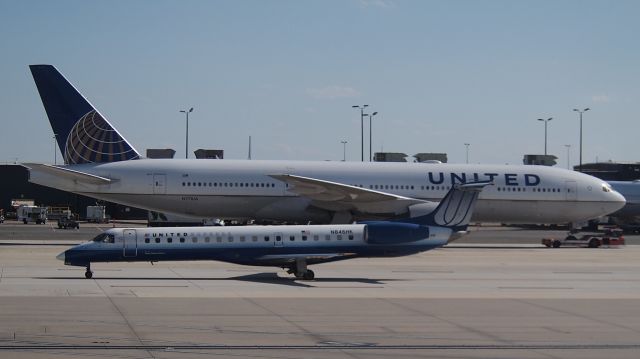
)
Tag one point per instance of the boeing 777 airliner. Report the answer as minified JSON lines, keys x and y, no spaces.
{"x":100,"y":163}
{"x":290,"y":247}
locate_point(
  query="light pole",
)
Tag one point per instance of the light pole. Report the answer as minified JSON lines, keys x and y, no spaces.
{"x":370,"y":117}
{"x":55,"y":153}
{"x":361,"y":129}
{"x":568,"y":156}
{"x":186,"y":146}
{"x":344,"y":150}
{"x":545,"y":132}
{"x":581,"y":112}
{"x":467,"y":146}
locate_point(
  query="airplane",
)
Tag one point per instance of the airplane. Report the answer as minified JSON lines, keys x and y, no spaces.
{"x":293,"y":247}
{"x":629,"y":216}
{"x":100,"y":163}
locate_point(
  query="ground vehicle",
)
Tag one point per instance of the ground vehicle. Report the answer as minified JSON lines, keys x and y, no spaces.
{"x":67,"y":223}
{"x":96,"y":214}
{"x":611,"y":237}
{"x":35,"y":214}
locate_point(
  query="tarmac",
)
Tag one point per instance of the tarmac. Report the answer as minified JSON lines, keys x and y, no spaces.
{"x":497,"y":293}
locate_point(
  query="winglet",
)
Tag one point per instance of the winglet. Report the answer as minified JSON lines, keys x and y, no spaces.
{"x":83,"y":134}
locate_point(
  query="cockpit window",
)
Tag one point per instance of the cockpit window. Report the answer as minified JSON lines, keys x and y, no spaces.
{"x":104,"y":238}
{"x":606,"y":187}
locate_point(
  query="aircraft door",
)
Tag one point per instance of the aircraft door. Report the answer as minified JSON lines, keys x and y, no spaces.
{"x":571,"y":190}
{"x":130,"y":243}
{"x":159,"y":183}
{"x":278,"y":240}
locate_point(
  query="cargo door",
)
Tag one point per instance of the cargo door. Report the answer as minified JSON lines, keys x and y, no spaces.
{"x":130,"y":243}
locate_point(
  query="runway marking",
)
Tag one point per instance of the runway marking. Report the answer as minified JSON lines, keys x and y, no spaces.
{"x":149,"y":286}
{"x":580,"y":272}
{"x":423,"y":271}
{"x":328,"y":346}
{"x":543,"y":288}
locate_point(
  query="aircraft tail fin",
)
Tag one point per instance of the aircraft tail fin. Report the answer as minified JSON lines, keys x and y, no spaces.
{"x":82,"y":133}
{"x":455,"y":209}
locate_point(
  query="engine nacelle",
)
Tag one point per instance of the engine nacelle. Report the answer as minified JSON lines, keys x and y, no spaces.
{"x":395,"y":233}
{"x":422,"y":209}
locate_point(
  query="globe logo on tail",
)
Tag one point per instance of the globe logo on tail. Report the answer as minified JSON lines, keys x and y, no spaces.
{"x":93,"y":140}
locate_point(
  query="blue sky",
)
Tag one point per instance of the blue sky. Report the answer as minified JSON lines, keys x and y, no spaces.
{"x":440,"y":74}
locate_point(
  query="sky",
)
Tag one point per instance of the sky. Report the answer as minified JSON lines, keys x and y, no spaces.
{"x":287,"y":73}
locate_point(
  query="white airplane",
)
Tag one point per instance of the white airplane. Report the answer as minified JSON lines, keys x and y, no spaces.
{"x":101,"y":164}
{"x":290,"y":247}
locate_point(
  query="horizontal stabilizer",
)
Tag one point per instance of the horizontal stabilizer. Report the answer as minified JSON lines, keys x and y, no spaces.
{"x":68,"y":174}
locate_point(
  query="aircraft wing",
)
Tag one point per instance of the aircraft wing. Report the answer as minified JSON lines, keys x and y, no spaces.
{"x":68,"y":174}
{"x":336,"y":196}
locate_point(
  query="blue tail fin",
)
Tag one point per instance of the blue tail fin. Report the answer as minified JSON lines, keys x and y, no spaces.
{"x":455,"y":209}
{"x":83,"y":134}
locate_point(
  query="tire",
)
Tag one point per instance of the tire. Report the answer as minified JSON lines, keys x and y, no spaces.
{"x":594,"y":243}
{"x":88,"y":274}
{"x":308,"y":275}
{"x":556,"y":243}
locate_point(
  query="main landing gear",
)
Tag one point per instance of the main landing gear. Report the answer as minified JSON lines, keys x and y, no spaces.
{"x":88,"y":274}
{"x":300,"y":270}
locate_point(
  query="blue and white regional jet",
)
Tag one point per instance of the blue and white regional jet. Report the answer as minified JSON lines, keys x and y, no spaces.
{"x":100,"y":163}
{"x":290,"y":247}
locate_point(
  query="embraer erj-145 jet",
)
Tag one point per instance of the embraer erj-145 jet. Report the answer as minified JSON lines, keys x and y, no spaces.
{"x":101,"y":164}
{"x":290,"y":247}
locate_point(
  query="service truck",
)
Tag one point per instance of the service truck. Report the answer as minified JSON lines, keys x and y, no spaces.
{"x":28,"y":214}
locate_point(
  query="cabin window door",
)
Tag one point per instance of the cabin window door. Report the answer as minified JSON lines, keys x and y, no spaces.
{"x":278,"y":240}
{"x":130,"y":243}
{"x":159,"y":184}
{"x":571,"y":190}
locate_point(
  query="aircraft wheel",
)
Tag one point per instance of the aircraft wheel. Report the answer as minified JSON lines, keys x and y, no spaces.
{"x":88,"y":274}
{"x":308,"y":275}
{"x":556,"y":243}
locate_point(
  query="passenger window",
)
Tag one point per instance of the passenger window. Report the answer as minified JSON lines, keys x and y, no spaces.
{"x":278,"y":238}
{"x":292,"y":238}
{"x":254,"y":238}
{"x":327,"y":237}
{"x":181,"y":240}
{"x":146,"y":240}
{"x":339,"y":236}
{"x":316,"y":237}
{"x":207,"y":239}
{"x":169,"y":240}
{"x":351,"y":237}
{"x":157,"y":240}
{"x":242,"y":238}
{"x":194,"y":239}
{"x":266,"y":238}
{"x":304,"y":238}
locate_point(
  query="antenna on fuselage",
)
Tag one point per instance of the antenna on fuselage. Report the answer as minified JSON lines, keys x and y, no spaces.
{"x":249,"y":148}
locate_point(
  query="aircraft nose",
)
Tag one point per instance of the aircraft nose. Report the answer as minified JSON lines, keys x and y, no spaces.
{"x":61,"y":256}
{"x":617,"y":201}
